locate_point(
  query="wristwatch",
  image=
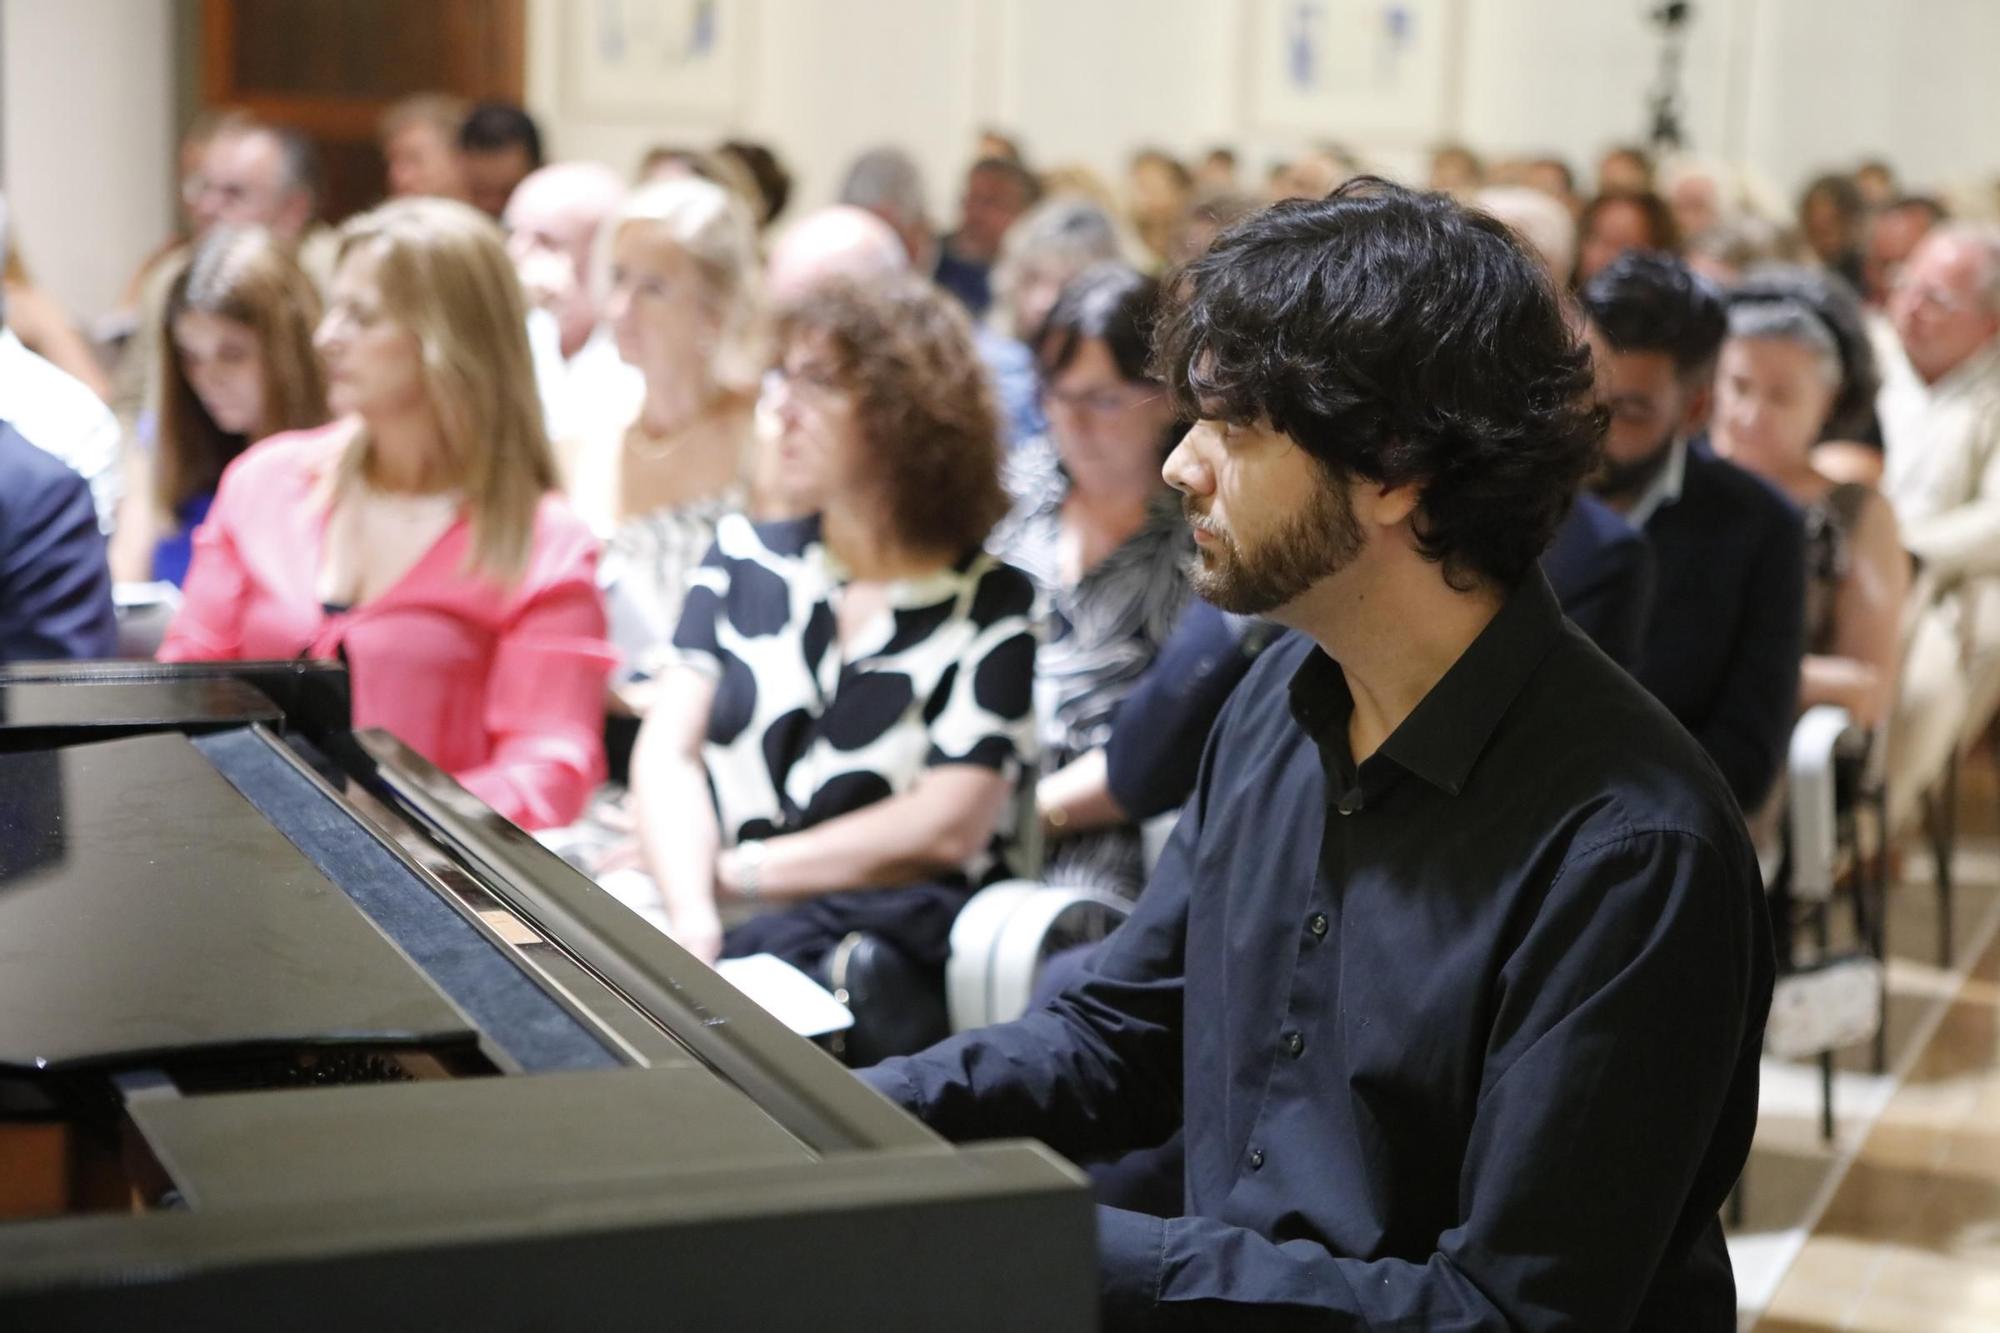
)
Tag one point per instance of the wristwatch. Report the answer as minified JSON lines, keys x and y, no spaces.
{"x":750,"y":869}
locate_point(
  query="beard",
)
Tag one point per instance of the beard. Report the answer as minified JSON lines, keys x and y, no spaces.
{"x":1318,"y":541}
{"x":1625,"y":481}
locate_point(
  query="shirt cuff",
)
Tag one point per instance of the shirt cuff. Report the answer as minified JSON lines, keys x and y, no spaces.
{"x":1131,"y":1254}
{"x":890,"y":1080}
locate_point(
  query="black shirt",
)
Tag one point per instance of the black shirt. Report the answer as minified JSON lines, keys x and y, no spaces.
{"x":1465,"y":1037}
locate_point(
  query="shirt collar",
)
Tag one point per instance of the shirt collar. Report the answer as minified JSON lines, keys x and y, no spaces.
{"x":1971,"y":375}
{"x":1664,"y":489}
{"x":1442,"y":738}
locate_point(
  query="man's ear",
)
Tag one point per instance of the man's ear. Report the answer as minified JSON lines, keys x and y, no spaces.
{"x":1386,"y":506}
{"x":1700,"y":398}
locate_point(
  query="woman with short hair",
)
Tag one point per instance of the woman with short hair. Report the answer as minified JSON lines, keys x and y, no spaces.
{"x":681,"y":276}
{"x":420,"y":537}
{"x":838,"y":746}
{"x":236,"y":364}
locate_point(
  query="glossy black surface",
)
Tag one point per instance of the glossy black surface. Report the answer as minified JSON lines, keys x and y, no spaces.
{"x":39,"y":714}
{"x":147,"y":908}
{"x":312,"y":696}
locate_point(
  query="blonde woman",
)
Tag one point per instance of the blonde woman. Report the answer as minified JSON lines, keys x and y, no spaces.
{"x":420,"y":537}
{"x":236,"y":364}
{"x":681,"y":297}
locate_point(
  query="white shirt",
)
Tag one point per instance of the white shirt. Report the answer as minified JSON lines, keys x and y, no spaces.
{"x":1941,"y":472}
{"x":1664,"y":489}
{"x":589,"y":389}
{"x":57,"y":413}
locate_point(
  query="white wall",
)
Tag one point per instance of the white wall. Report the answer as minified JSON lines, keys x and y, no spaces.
{"x":88,"y":153}
{"x":1788,"y":86}
{"x":1785,"y":87}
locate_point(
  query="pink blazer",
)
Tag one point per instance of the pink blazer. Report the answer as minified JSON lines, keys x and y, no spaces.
{"x":501,"y":687}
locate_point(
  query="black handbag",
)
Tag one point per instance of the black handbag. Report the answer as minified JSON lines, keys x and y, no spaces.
{"x":897,"y":1003}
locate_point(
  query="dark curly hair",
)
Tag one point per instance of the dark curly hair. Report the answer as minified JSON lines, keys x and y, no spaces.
{"x":1644,"y":301}
{"x":922,"y":398}
{"x":1403,"y":338}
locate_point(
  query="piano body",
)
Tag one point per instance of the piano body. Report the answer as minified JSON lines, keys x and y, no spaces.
{"x":294,"y":1033}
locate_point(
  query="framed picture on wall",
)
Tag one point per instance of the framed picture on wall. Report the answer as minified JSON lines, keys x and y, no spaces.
{"x":648,"y":59}
{"x":1373,"y":71}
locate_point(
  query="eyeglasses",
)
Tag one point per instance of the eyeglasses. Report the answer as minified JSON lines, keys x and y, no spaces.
{"x":812,"y":384}
{"x":1100,"y":403}
{"x":1937,"y":298}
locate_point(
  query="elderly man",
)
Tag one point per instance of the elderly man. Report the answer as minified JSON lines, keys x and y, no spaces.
{"x":887,"y":183}
{"x":1941,"y":424}
{"x":251,"y":175}
{"x":996,"y":193}
{"x":552,"y":219}
{"x":837,"y":242}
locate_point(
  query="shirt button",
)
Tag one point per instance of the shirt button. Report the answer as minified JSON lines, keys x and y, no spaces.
{"x":1317,"y":924}
{"x":1295,"y":1044}
{"x":1256,"y":1159}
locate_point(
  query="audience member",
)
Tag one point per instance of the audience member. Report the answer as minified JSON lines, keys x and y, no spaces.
{"x":46,"y":329}
{"x":1056,"y":240}
{"x":252,"y":175}
{"x":56,"y":412}
{"x":553,"y":220}
{"x":887,"y":183}
{"x":1850,"y":420}
{"x":1157,"y":187}
{"x":1625,"y":169}
{"x":840,"y":743}
{"x":997,"y":192}
{"x":1552,"y":176}
{"x":841,"y":241}
{"x":996,"y":143}
{"x":1208,"y":215}
{"x":1372,"y":1037}
{"x":1539,"y":219}
{"x":1314,"y":174}
{"x":237,"y":364}
{"x":1831,"y":218}
{"x":1102,"y":536}
{"x":1941,"y":424}
{"x":773,"y":182}
{"x":681,"y":306}
{"x":1618,"y":222}
{"x":1735,"y":246}
{"x":1776,"y":384}
{"x":1876,"y":181}
{"x":1217,"y":173}
{"x":419,"y":136}
{"x":1456,"y":170}
{"x":1893,"y":234}
{"x":55,"y":588}
{"x":498,"y":146}
{"x":1727,"y":635}
{"x":1700,"y":194}
{"x":420,"y":537}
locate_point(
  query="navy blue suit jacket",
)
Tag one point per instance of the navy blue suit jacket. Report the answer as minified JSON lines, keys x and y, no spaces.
{"x":1601,"y":568}
{"x":55,"y":587}
{"x":1728,"y":625}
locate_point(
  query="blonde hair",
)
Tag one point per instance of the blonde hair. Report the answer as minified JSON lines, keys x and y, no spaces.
{"x":444,"y":275}
{"x":713,"y":228}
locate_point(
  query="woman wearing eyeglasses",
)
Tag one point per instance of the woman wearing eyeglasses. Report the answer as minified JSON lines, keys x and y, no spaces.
{"x":1103,"y":537}
{"x":836,"y":746}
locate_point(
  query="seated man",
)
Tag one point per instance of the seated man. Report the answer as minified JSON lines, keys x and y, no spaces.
{"x":1728,"y":625}
{"x":55,"y":586}
{"x":1941,"y":426}
{"x":1455,"y":970}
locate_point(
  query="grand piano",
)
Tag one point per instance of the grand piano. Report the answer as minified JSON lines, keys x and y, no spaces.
{"x":295,"y":1033}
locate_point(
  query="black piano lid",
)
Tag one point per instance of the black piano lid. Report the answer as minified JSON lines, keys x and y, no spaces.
{"x":146,"y":908}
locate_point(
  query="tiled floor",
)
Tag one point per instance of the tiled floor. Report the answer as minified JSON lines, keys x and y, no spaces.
{"x":1895,"y":1228}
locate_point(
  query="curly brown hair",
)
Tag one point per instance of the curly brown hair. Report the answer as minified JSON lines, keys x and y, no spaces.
{"x":922,"y":400}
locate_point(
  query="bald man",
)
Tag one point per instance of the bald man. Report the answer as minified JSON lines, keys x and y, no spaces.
{"x":552,"y":220}
{"x":838,"y":242}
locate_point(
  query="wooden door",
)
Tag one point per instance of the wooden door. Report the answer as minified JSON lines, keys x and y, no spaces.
{"x":331,"y":67}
